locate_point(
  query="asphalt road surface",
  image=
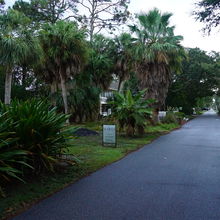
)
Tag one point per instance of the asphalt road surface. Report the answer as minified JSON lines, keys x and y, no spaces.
{"x":175,"y":177}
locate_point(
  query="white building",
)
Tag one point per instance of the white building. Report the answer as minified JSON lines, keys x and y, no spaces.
{"x":105,"y":109}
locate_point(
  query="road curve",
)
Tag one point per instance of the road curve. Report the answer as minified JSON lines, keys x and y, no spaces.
{"x":175,"y":177}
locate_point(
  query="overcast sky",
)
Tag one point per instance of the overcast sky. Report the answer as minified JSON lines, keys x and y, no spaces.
{"x":182,"y":19}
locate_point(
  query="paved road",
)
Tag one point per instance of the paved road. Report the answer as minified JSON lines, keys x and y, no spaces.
{"x":176,"y":177}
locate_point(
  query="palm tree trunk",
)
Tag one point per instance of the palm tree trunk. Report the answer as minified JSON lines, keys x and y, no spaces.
{"x":130,"y":131}
{"x":155,"y":116}
{"x":64,"y":92}
{"x":53,"y":90}
{"x":8,"y":82}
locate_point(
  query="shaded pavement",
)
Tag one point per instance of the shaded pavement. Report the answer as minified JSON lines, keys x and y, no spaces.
{"x":175,"y":177}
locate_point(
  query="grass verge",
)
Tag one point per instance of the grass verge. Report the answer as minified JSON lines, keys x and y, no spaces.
{"x":92,"y":157}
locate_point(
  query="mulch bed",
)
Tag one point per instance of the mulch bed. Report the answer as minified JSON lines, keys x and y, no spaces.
{"x":85,"y":132}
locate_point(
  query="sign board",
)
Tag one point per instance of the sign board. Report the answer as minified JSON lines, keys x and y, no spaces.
{"x":161,"y":115}
{"x":109,"y":135}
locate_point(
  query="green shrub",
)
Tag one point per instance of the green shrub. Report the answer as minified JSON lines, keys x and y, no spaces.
{"x":38,"y":129}
{"x":10,"y":156}
{"x":131,"y":111}
{"x":170,"y":118}
{"x":180,"y":116}
{"x":187,"y":110}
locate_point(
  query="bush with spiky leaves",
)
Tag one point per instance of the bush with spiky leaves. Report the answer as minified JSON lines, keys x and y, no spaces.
{"x":38,"y":130}
{"x":31,"y":135}
{"x":10,"y":156}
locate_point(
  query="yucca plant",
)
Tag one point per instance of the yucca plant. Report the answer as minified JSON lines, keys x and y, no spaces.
{"x":39,"y":130}
{"x":131,"y":111}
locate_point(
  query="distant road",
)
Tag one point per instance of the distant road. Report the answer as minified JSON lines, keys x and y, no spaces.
{"x":176,"y":177}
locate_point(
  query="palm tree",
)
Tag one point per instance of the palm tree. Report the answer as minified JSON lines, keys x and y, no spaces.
{"x":101,"y":61}
{"x":17,"y":45}
{"x":65,"y":47}
{"x":159,"y":53}
{"x":125,"y":62}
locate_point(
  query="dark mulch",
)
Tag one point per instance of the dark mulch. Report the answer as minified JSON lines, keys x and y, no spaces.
{"x":85,"y":132}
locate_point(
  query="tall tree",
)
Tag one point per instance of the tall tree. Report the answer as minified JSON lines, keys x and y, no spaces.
{"x":208,"y":12}
{"x":101,"y":14}
{"x":45,"y":11}
{"x":199,"y":78}
{"x":124,"y":57}
{"x":159,"y":53}
{"x":66,"y":47}
{"x":17,"y":45}
{"x":101,"y":61}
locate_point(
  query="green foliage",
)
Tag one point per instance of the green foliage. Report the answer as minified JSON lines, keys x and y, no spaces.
{"x":124,"y":57}
{"x":217,"y":104}
{"x":132,"y":83}
{"x":44,"y":11}
{"x":101,"y":62}
{"x":84,"y":98}
{"x":158,"y":53}
{"x":31,"y":136}
{"x":179,"y":115}
{"x":64,"y":54}
{"x":170,"y":118}
{"x":204,"y":102}
{"x":10,"y":156}
{"x":131,"y":111}
{"x":17,"y":44}
{"x":65,"y":44}
{"x":38,"y":130}
{"x":207,"y":11}
{"x":173,"y":117}
{"x":199,"y":79}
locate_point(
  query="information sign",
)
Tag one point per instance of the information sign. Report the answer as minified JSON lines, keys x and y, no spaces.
{"x":109,"y":135}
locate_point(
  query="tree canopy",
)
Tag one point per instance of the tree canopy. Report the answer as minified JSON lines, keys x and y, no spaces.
{"x":102,"y":14}
{"x":45,"y":10}
{"x":199,"y":79}
{"x":208,"y":12}
{"x":159,"y":53}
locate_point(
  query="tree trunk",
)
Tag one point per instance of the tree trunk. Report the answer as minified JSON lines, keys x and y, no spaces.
{"x":92,"y":21}
{"x":156,"y":78}
{"x":155,"y":117}
{"x":53,"y":90}
{"x":140,"y":130}
{"x":8,"y":82}
{"x":64,"y":93}
{"x":130,"y":131}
